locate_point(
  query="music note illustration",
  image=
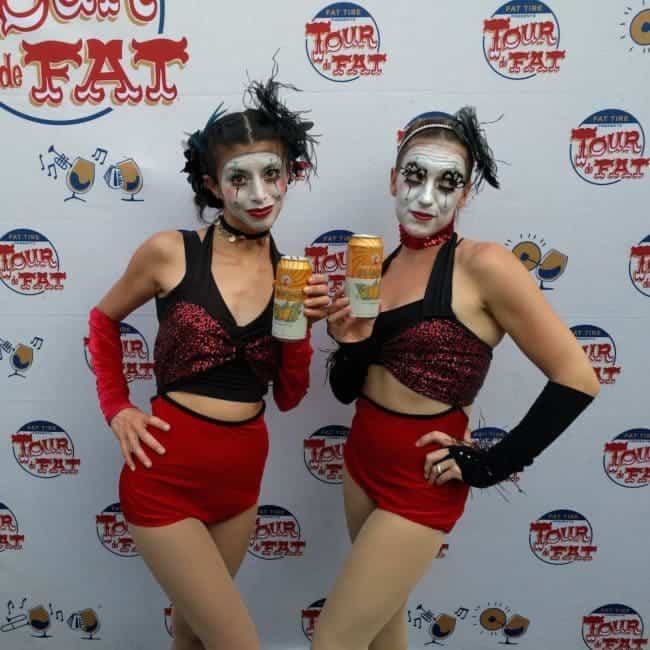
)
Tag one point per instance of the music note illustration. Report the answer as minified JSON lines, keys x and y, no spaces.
{"x":37,"y":342}
{"x":100,"y":153}
{"x":40,"y":156}
{"x":22,"y":603}
{"x":50,"y":169}
{"x":462,"y":613}
{"x":10,"y":607}
{"x":80,"y":178}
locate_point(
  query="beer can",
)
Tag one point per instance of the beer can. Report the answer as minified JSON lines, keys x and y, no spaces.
{"x":363,"y":275}
{"x":289,"y":320}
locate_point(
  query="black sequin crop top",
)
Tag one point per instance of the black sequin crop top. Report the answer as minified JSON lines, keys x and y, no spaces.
{"x":200,"y":348}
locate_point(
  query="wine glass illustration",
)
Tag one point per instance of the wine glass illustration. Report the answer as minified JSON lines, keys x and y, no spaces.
{"x":515,"y":628}
{"x":441,"y":627}
{"x":131,"y":178}
{"x":39,"y":619}
{"x":548,"y":268}
{"x":80,"y":178}
{"x":551,"y":267}
{"x":21,"y":359}
{"x":87,"y":621}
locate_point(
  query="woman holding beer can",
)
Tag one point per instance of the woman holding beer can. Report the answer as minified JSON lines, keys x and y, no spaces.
{"x":416,"y":369}
{"x":191,"y":507}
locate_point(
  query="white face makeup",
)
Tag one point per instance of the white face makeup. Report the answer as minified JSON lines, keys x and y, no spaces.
{"x":430,"y":183}
{"x":253,"y":186}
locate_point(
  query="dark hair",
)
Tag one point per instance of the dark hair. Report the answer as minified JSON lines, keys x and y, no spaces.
{"x":266,"y":118}
{"x":461,"y":128}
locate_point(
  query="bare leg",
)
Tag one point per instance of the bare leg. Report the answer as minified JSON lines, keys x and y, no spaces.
{"x":358,"y":507}
{"x":194,"y":565}
{"x":388,"y":557}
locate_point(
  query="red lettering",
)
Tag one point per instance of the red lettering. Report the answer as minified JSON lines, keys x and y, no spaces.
{"x":51,"y":59}
{"x":7,"y":523}
{"x":67,"y":10}
{"x":11,"y":542}
{"x":142,"y":11}
{"x":22,"y":21}
{"x":100,"y":55}
{"x":159,"y":54}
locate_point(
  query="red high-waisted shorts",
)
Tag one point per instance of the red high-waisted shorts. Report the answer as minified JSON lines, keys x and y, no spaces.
{"x":211,"y":471}
{"x":381,"y":457}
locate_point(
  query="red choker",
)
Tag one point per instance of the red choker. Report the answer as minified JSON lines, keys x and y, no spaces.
{"x":426,"y":242}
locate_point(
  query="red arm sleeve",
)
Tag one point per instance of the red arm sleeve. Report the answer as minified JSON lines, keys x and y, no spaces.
{"x":292,"y":380}
{"x":106,"y":351}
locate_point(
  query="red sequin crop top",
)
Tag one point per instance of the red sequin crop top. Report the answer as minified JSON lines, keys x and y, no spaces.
{"x":200,"y":348}
{"x":425,"y":347}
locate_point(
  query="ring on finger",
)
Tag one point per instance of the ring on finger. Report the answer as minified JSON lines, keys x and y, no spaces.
{"x":438,"y":469}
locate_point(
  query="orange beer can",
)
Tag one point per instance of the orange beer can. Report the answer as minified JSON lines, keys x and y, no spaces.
{"x":363,"y":275}
{"x":289,"y":320}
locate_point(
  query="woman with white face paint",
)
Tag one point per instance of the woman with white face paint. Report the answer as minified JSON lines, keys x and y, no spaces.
{"x":446,"y":302}
{"x":192,"y":507}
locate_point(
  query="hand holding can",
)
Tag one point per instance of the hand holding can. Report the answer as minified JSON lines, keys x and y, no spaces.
{"x":289,"y":320}
{"x":363,"y":276}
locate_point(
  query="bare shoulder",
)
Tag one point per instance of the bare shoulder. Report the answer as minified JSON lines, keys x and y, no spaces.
{"x":162,"y":247}
{"x":486,"y":259}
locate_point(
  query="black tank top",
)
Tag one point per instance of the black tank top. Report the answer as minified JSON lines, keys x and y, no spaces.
{"x":200,"y":348}
{"x":424,"y":345}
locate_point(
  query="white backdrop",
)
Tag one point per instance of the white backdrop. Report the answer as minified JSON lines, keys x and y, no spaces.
{"x":569,"y":555}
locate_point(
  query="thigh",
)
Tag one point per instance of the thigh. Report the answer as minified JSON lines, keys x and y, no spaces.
{"x":389,"y":556}
{"x":232,"y":537}
{"x":187,"y":564}
{"x":358,"y":505}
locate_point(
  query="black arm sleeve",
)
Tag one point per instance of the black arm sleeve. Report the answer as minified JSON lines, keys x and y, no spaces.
{"x":553,"y":411}
{"x":348,"y":367}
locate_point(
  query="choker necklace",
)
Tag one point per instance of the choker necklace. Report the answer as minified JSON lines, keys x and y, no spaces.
{"x":426,"y":242}
{"x":233,"y":234}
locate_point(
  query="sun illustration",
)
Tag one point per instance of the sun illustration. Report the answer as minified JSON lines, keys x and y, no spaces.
{"x":637,"y":26}
{"x":492,"y":619}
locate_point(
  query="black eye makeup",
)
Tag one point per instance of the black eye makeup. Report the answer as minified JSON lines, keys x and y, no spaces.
{"x":413,"y":173}
{"x":272,"y":174}
{"x":237,"y":179}
{"x":451,"y":180}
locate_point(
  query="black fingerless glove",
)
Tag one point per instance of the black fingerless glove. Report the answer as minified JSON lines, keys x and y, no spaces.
{"x":553,"y":411}
{"x":347,"y":368}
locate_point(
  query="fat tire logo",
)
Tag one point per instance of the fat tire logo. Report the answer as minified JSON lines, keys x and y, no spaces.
{"x":44,"y":450}
{"x":323,"y":452}
{"x":29,"y":263}
{"x":562,"y":537}
{"x":522,"y":40}
{"x":608,"y":147}
{"x":343,"y":43}
{"x":626,"y":458}
{"x":113,"y":532}
{"x":277,"y":534}
{"x":614,"y":626}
